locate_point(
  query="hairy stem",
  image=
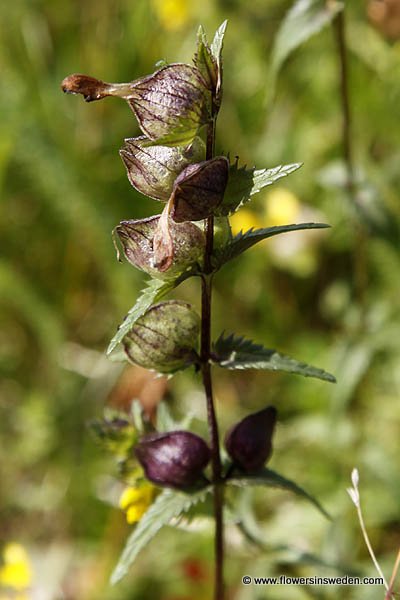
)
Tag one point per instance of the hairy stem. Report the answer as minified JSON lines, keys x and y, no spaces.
{"x":206,"y":290}
{"x":359,"y":256}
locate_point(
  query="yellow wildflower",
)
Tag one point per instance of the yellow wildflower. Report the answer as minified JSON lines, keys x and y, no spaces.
{"x":15,"y":572}
{"x":136,"y":500}
{"x":172,"y":14}
{"x":282,"y":207}
{"x":244,"y":219}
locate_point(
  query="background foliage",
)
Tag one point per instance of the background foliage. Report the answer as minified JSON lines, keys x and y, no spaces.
{"x":330,"y":297}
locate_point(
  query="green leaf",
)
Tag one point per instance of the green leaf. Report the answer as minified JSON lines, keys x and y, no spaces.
{"x":270,"y":478}
{"x":169,"y":505}
{"x":154,"y":291}
{"x":166,"y":422}
{"x":218,"y":42}
{"x":238,"y":353}
{"x":205,"y":61}
{"x":216,"y":51}
{"x":302,"y":21}
{"x":244,"y":183}
{"x":243,"y":241}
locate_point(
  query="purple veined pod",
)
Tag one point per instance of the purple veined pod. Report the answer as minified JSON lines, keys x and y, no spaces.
{"x":165,"y":338}
{"x":152,"y":168}
{"x":199,"y":189}
{"x":139,"y":240}
{"x":173,"y":102}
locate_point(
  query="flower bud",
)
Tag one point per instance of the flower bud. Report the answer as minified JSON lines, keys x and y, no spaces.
{"x":116,"y":434}
{"x":173,"y":102}
{"x":164,"y":338}
{"x":249,"y":442}
{"x":199,"y":189}
{"x":152,"y":169}
{"x":174,"y":459}
{"x":137,"y":239}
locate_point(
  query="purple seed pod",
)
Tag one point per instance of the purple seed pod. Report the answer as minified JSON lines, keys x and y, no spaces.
{"x":138,"y":239}
{"x":152,"y":169}
{"x":249,"y":442}
{"x":175,"y":459}
{"x":199,"y":189}
{"x":164,"y":338}
{"x":173,"y":102}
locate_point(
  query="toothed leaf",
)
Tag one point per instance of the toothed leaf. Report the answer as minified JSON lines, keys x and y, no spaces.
{"x":238,"y":353}
{"x":244,"y":241}
{"x":244,"y":183}
{"x":205,"y":61}
{"x":216,"y":50}
{"x":270,"y":478}
{"x":168,"y":506}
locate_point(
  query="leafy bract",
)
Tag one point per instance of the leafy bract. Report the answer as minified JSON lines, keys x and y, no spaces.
{"x":270,"y":478}
{"x":302,"y":21}
{"x":216,"y":50}
{"x":243,"y":241}
{"x":238,"y":353}
{"x":205,"y":61}
{"x":244,"y":183}
{"x":155,"y":290}
{"x":169,"y":505}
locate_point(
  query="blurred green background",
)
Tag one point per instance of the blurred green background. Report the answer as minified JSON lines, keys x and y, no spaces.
{"x":330,"y":298}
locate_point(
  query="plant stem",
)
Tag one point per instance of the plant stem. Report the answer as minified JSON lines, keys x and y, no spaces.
{"x":393,"y":577}
{"x":206,"y":291}
{"x":359,"y":257}
{"x":368,"y":544}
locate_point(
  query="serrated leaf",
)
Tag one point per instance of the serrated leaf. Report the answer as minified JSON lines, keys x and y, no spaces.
{"x":270,"y":478}
{"x":304,"y":19}
{"x":216,"y":50}
{"x":154,"y":291}
{"x":243,"y":241}
{"x":244,"y":183}
{"x":205,"y":61}
{"x":238,"y":353}
{"x":168,"y":506}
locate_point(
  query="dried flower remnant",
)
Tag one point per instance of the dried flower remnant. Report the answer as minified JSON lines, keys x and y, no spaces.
{"x":249,"y":442}
{"x":164,"y":338}
{"x":174,"y":459}
{"x":173,"y":102}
